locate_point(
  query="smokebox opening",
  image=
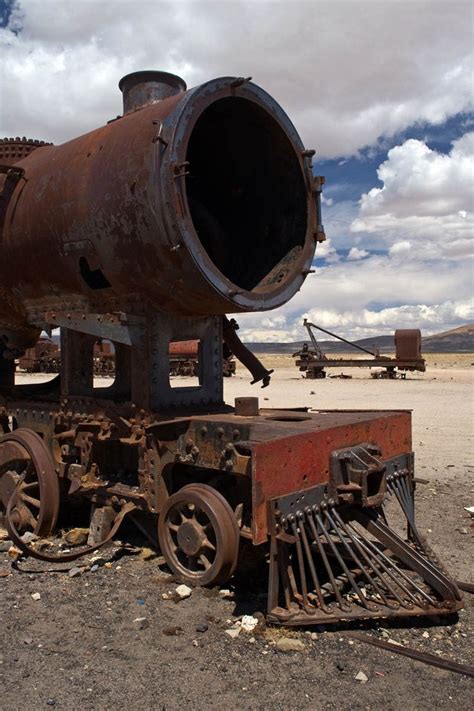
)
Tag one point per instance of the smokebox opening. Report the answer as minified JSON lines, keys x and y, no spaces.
{"x":246,"y":193}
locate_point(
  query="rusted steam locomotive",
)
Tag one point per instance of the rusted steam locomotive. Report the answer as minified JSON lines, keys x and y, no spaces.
{"x":192,"y":205}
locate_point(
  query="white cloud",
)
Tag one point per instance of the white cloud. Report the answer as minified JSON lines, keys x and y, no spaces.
{"x":400,"y":248}
{"x":425,"y":207}
{"x":375,"y":295}
{"x":356,"y":253}
{"x":346,"y":72}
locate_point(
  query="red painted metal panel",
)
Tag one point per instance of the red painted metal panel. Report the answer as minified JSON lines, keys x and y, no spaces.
{"x":297,"y":462}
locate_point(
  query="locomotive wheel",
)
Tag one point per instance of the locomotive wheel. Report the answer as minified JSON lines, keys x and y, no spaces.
{"x":23,"y":453}
{"x":199,"y":535}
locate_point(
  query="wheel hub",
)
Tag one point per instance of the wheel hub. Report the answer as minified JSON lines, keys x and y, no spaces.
{"x":190,"y":538}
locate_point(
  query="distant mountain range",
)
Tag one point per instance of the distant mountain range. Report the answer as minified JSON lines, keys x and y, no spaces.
{"x":459,"y":340}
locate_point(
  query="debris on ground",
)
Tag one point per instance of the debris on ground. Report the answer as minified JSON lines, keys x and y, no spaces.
{"x":288,"y":644}
{"x":233,"y":632}
{"x":226,"y":594}
{"x":140,"y":623}
{"x":148,"y":553}
{"x":183,"y":591}
{"x":76,"y":536}
{"x":248,"y":623}
{"x":173,"y":631}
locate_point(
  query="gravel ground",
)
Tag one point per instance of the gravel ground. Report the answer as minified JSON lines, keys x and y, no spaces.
{"x":79,"y":645}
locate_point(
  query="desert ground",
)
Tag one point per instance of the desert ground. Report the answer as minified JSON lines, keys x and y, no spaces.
{"x":79,"y":646}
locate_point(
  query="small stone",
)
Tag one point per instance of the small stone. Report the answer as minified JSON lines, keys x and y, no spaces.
{"x":287,"y":644}
{"x":140,"y":623}
{"x":425,"y":635}
{"x":314,"y":636}
{"x":252,"y":640}
{"x":173,"y":631}
{"x":363,"y":678}
{"x":147,"y":554}
{"x":74,"y":572}
{"x":94,"y":567}
{"x":248,"y":623}
{"x":51,"y":702}
{"x":29,"y":537}
{"x":5,"y":546}
{"x":202,"y":627}
{"x":233,"y":632}
{"x":14,"y":552}
{"x":226,"y":593}
{"x":97,"y":560}
{"x":3,"y":534}
{"x":166,"y":596}
{"x":77,"y":536}
{"x":183,"y":591}
{"x":108,"y":565}
{"x":195,"y":643}
{"x":36,"y":596}
{"x":27,"y":640}
{"x":394,"y":641}
{"x":464,"y":531}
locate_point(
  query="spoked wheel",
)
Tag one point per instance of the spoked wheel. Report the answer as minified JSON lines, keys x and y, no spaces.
{"x":24,"y":456}
{"x":199,"y":535}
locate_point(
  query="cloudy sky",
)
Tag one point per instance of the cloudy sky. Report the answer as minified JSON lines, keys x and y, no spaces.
{"x":382,"y":89}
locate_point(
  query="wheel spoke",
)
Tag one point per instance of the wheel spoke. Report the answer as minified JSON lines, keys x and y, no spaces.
{"x":207,"y":544}
{"x":30,"y":485}
{"x":204,"y":561}
{"x":32,"y":520}
{"x":30,"y":500}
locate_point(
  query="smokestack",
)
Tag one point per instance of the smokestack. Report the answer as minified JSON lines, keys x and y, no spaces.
{"x":141,"y":89}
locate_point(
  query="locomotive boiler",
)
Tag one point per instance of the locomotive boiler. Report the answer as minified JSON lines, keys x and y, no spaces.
{"x":192,"y":205}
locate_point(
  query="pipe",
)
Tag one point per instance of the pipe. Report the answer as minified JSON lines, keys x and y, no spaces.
{"x":242,"y":353}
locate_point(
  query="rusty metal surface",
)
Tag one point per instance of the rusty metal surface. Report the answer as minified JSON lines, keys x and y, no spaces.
{"x":246,"y":357}
{"x":140,"y":89}
{"x":408,"y":344}
{"x":199,"y":536}
{"x":308,"y":366}
{"x":423,"y":657}
{"x":147,"y":231}
{"x":299,"y":457}
{"x":13,"y":150}
{"x":336,"y":560}
{"x":118,"y":198}
{"x":28,"y":481}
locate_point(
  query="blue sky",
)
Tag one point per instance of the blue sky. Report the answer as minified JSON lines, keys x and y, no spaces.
{"x":387,"y":103}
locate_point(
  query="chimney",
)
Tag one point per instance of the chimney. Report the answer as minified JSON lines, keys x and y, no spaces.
{"x":141,"y":89}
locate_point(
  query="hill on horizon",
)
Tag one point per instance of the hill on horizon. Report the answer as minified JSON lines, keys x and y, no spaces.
{"x":458,"y":340}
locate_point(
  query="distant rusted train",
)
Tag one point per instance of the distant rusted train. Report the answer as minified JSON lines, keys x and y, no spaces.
{"x":45,"y":357}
